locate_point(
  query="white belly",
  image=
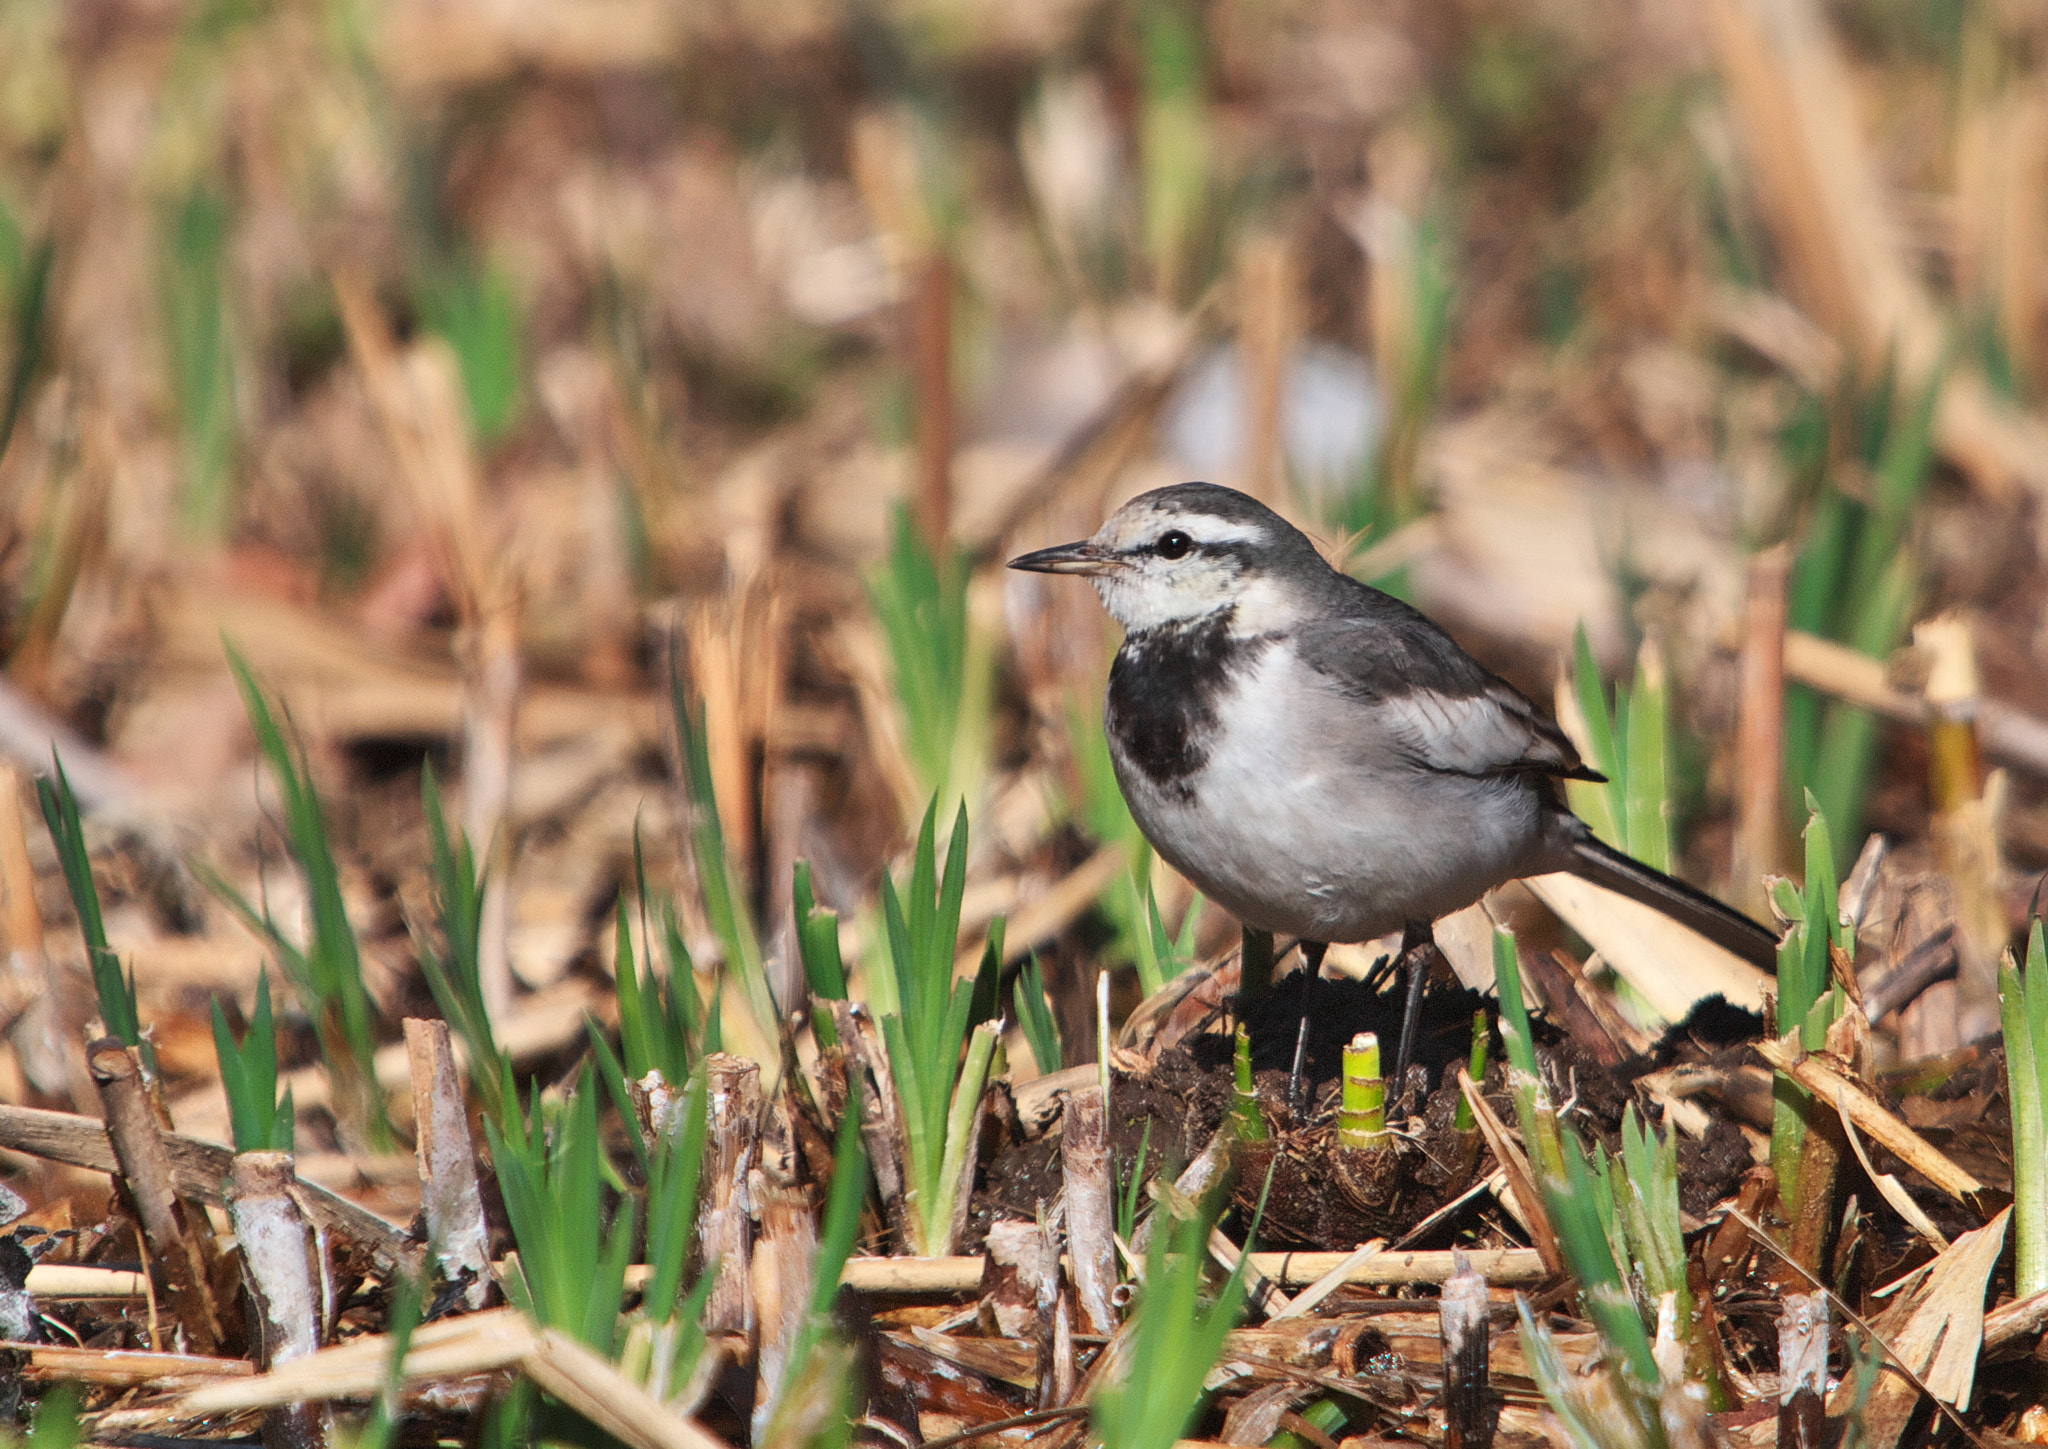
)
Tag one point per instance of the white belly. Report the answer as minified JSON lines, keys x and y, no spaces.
{"x":1303,"y":822}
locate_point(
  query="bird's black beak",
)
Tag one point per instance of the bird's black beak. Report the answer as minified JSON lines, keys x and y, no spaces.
{"x":1069,"y":558}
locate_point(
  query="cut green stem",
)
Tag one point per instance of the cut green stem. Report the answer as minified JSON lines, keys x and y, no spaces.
{"x":1362,"y":1111}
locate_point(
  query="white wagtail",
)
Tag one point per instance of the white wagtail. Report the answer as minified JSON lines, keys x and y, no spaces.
{"x":1317,"y":756}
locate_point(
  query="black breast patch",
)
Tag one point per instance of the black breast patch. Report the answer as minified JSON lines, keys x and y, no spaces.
{"x":1164,"y":689}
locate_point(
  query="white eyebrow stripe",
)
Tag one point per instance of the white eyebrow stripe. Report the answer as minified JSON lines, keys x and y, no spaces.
{"x":1206,"y":529}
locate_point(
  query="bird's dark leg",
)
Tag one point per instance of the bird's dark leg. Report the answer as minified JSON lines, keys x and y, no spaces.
{"x":1418,"y":940}
{"x":1255,"y":969}
{"x":1312,"y":953}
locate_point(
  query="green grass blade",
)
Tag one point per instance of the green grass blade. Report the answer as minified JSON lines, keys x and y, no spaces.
{"x":1035,"y":1017}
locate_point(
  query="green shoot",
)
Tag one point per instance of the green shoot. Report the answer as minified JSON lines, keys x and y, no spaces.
{"x":718,"y":878}
{"x":1855,"y":581}
{"x":1386,"y":496}
{"x":817,"y":945}
{"x":1162,"y":955}
{"x":2023,"y":1007}
{"x":248,"y":1074}
{"x":571,"y":1273}
{"x":944,"y":678}
{"x":1362,"y":1107}
{"x":1476,"y":1069}
{"x":1577,"y":1195}
{"x":1630,"y":745}
{"x":1805,"y":1004}
{"x":1134,"y":1188}
{"x":379,"y":1430}
{"x":67,"y":833}
{"x":25,"y":296}
{"x":1034,"y":1015}
{"x":1246,"y":1120}
{"x":327,"y":973}
{"x":1587,"y":1405}
{"x":452,"y":973}
{"x":931,"y":1025}
{"x":675,"y":1161}
{"x":1174,"y":1342}
{"x":1175,"y":145}
{"x":56,"y":1422}
{"x":665,"y":1339}
{"x":471,"y":307}
{"x":664,"y":1029}
{"x":194,"y":285}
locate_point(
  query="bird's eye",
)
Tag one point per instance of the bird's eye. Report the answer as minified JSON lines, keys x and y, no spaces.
{"x":1174,"y":544}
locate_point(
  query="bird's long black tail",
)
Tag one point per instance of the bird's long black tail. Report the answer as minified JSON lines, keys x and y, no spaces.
{"x":1593,"y":860}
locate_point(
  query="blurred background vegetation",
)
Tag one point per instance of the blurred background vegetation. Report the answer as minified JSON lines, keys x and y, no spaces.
{"x":468,"y":366}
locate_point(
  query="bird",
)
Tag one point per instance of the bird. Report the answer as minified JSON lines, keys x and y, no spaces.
{"x":1320,"y":758}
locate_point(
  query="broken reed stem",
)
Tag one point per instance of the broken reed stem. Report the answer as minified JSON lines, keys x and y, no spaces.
{"x":931,"y":347}
{"x":881,"y":1124}
{"x":1462,"y":1312}
{"x":41,"y":1036}
{"x":491,"y":678}
{"x":457,"y":1237}
{"x":1760,"y":730}
{"x":182,"y":1247}
{"x":1091,"y":1209}
{"x":1362,"y":1110}
{"x":723,"y":1229}
{"x":783,"y":1271}
{"x":1966,"y":810}
{"x":1058,"y":1368}
{"x":1820,"y":1165}
{"x":1265,"y":329}
{"x":1802,"y":1371}
{"x":279,"y":1269}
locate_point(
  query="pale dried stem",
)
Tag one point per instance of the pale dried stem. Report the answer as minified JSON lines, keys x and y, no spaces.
{"x":281,"y":1275}
{"x":724,"y":1228}
{"x":1091,"y":1208}
{"x":1266,"y":329}
{"x":881,"y":1119}
{"x":32,"y":994}
{"x":457,"y":1236}
{"x":1760,"y":731}
{"x":492,"y":677}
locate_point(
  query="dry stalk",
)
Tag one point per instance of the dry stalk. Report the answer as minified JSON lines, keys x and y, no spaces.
{"x":280,"y":1271}
{"x":1802,"y":1370}
{"x":32,"y":998}
{"x":784,"y":1262}
{"x":457,"y":1236}
{"x":1266,"y":328}
{"x":1760,"y":731}
{"x":1462,"y":1314}
{"x":1967,"y":807}
{"x":881,"y":1119}
{"x":1091,"y":1208}
{"x":183,"y":1246}
{"x":1057,"y":1366}
{"x":724,"y":1231}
